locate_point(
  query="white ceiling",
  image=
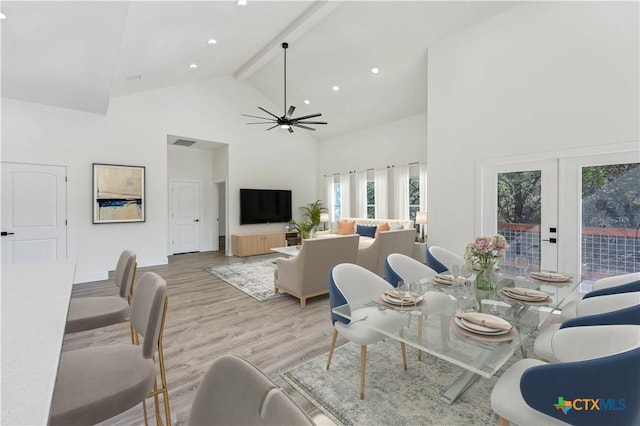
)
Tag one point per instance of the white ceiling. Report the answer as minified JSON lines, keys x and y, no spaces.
{"x":79,"y":54}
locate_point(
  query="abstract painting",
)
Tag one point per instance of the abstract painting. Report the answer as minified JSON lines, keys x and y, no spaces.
{"x":118,"y":193}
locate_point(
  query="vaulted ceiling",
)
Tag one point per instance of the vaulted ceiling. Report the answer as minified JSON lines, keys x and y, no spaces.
{"x":80,"y":54}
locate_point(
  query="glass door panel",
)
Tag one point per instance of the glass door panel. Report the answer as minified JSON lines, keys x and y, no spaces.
{"x":520,"y":202}
{"x":610,"y":234}
{"x":519,"y":212}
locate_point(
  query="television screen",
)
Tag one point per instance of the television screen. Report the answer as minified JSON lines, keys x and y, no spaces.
{"x":264,"y":206}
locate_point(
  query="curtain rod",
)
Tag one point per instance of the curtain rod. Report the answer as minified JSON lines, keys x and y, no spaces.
{"x":369,"y":169}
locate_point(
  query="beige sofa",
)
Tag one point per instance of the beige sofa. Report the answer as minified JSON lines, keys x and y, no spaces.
{"x":307,"y":274}
{"x":373,"y":256}
{"x":394,"y":224}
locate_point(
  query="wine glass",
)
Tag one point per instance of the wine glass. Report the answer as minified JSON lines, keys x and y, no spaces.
{"x":522,"y":262}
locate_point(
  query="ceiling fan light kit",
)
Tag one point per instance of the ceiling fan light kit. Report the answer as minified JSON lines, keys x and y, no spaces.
{"x":286,"y":121}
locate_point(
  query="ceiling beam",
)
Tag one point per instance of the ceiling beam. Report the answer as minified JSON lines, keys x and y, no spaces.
{"x":303,"y":23}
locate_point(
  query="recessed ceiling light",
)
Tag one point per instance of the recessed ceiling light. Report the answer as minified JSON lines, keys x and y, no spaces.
{"x":242,"y":2}
{"x":335,"y":88}
{"x":307,"y":101}
{"x":193,"y":66}
{"x":3,"y":16}
{"x":375,"y":70}
{"x":134,"y":77}
{"x":212,"y":41}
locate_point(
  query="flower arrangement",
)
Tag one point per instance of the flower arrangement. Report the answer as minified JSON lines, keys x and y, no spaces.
{"x":484,"y":252}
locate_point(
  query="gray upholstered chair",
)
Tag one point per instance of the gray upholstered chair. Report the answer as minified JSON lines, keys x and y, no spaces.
{"x":233,"y":391}
{"x":96,"y":383}
{"x":87,"y":313}
{"x":306,"y":275}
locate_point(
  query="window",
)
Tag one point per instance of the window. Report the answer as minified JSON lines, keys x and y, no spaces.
{"x":337,"y":207}
{"x":414,"y":197}
{"x":371,"y":197}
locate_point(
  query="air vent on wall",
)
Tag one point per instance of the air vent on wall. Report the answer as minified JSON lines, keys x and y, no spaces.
{"x":184,"y":142}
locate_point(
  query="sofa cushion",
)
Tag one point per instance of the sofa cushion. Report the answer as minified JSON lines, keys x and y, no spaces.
{"x":346,"y":227}
{"x":381,"y":228}
{"x":396,"y":226}
{"x":366,"y":231}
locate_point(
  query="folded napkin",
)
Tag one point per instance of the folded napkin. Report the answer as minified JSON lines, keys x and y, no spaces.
{"x":549,"y":275}
{"x":526,"y":292}
{"x":404,"y":298}
{"x":484,"y":320}
{"x":445,"y":277}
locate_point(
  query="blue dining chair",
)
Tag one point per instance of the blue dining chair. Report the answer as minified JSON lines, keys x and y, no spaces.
{"x":441,"y":260}
{"x":349,"y":283}
{"x":616,"y":284}
{"x":532,"y":392}
{"x":543,"y":345}
{"x":400,"y":267}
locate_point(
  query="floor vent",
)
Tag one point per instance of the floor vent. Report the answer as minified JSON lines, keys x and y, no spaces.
{"x":184,"y":142}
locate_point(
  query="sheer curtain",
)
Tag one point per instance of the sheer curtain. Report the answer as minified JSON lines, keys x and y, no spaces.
{"x":401,"y":193}
{"x":330,"y":202}
{"x":345,"y":195}
{"x":361,"y":193}
{"x":423,"y":187}
{"x":381,"y":193}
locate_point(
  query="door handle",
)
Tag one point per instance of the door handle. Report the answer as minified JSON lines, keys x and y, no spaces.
{"x":4,"y":233}
{"x":551,"y":240}
{"x":196,"y":220}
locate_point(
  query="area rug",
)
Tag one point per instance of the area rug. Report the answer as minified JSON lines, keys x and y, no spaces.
{"x":393,"y":396}
{"x":253,"y":278}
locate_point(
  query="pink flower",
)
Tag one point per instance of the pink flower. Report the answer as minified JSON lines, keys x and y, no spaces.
{"x":482,"y":245}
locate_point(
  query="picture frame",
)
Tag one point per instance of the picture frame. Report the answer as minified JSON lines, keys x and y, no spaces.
{"x":118,"y":193}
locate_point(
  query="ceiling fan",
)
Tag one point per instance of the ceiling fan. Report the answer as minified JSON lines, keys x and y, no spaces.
{"x":286,"y":121}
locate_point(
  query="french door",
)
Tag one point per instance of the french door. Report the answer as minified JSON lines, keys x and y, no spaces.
{"x":520,"y":202}
{"x":577,"y":213}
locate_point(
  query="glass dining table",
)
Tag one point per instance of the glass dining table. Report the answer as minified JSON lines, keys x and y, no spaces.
{"x":431,"y":327}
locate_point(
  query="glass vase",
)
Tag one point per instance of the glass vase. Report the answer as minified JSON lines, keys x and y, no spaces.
{"x":485,"y":286}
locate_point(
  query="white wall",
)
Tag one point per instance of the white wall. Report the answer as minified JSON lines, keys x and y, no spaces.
{"x":135,"y":132}
{"x":397,"y":142}
{"x":539,"y":77}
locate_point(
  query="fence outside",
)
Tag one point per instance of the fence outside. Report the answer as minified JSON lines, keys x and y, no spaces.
{"x":605,"y":251}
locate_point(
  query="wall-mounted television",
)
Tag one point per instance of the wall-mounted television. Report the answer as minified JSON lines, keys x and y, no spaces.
{"x":264,"y":206}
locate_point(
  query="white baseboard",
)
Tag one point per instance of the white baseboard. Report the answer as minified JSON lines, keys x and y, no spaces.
{"x":101,"y":275}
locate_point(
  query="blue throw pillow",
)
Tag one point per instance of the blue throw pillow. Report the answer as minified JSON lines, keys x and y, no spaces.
{"x":366,"y":231}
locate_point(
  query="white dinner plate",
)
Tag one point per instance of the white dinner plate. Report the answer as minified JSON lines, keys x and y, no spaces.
{"x":531,"y":296}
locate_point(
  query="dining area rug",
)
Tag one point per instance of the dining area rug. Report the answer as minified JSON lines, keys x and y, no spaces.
{"x":393,"y":396}
{"x":254,"y":278}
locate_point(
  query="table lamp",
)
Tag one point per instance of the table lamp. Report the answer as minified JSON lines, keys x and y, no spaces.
{"x":421,"y":219}
{"x":324,"y":218}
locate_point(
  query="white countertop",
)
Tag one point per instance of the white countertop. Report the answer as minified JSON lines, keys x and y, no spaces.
{"x":35,"y":303}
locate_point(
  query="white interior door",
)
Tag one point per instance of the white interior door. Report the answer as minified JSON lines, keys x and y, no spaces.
{"x":34,"y":212}
{"x":185,"y":216}
{"x":520,"y":201}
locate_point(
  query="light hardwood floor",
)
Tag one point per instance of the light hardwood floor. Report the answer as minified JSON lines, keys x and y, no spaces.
{"x":207,"y":318}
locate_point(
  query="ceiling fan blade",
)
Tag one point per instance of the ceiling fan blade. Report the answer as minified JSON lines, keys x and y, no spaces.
{"x":255,"y":116}
{"x":305,"y":117}
{"x":262,"y":122}
{"x":273,"y":127}
{"x":290,"y":129}
{"x":310,"y":122}
{"x":271,"y":114}
{"x":290,"y":112}
{"x":302,"y":127}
